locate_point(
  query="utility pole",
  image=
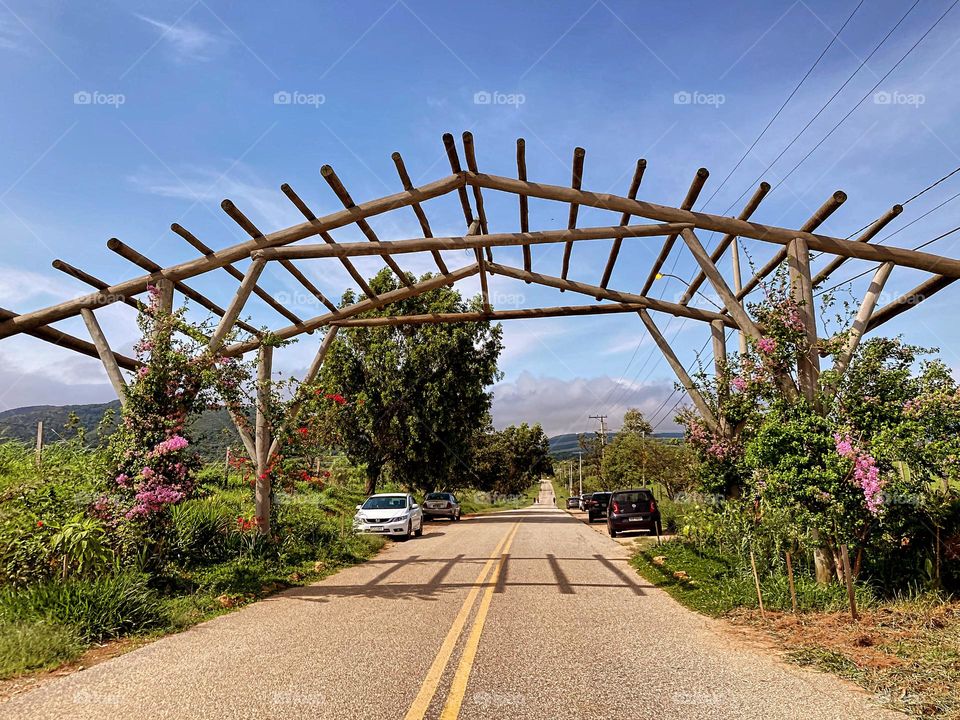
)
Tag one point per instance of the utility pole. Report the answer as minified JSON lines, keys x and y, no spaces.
{"x":580,"y":459}
{"x":644,"y":470}
{"x":603,"y":439}
{"x":570,"y":478}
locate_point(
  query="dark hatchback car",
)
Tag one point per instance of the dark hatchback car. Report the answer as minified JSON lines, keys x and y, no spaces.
{"x":597,"y":506}
{"x":631,"y":510}
{"x":441,"y":504}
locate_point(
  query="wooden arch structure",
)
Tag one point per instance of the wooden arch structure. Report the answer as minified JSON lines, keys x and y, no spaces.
{"x":661,"y":224}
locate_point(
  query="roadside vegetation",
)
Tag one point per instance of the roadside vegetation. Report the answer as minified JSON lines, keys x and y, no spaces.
{"x":127,"y":530}
{"x":860,"y":483}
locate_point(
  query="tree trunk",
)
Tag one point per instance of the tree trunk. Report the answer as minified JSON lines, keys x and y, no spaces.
{"x":373,"y":477}
{"x":824,"y":563}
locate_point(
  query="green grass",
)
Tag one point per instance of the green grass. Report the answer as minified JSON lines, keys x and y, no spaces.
{"x":718,"y":584}
{"x":479,"y":502}
{"x":37,"y":646}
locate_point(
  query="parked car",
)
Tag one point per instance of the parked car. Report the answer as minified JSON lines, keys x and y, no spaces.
{"x":630,"y":510}
{"x":598,"y":506}
{"x":394,"y":514}
{"x":573,"y":502}
{"x":584,"y":500}
{"x":441,"y":504}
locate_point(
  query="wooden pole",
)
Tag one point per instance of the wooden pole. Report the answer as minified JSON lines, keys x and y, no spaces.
{"x":355,"y":309}
{"x":728,"y":241}
{"x":692,"y":194}
{"x":705,"y":412}
{"x":861,"y":320}
{"x":70,"y":342}
{"x":718,"y":334}
{"x":106,"y":355}
{"x":832,"y":204}
{"x":919,"y":260}
{"x":848,"y":576}
{"x":39,"y":448}
{"x":198,"y":266}
{"x":262,"y":486}
{"x":328,"y":238}
{"x":624,"y":219}
{"x":737,"y":289}
{"x":910,"y":299}
{"x":166,"y":288}
{"x":524,"y":219}
{"x":418,"y":210}
{"x":801,"y":287}
{"x":622,"y":297}
{"x":793,"y":589}
{"x":756,"y":582}
{"x":233,"y":311}
{"x":469,"y":153}
{"x":576,"y":181}
{"x":743,"y":321}
{"x":233,"y":272}
{"x":866,"y":236}
{"x":468,"y":241}
{"x":494,"y":315}
{"x":226,"y":468}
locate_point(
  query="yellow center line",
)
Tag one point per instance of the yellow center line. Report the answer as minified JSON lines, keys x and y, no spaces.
{"x":431,"y":682}
{"x":458,"y":688}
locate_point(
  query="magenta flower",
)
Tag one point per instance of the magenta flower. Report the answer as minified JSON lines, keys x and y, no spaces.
{"x":767,"y":345}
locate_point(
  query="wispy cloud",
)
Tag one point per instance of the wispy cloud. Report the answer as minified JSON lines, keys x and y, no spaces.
{"x":263,"y":204}
{"x":18,"y":285}
{"x":563,"y":406}
{"x":11,"y":35}
{"x":188,"y":41}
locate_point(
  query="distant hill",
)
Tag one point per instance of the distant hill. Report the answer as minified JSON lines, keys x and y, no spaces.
{"x":567,"y":446}
{"x":212,"y":431}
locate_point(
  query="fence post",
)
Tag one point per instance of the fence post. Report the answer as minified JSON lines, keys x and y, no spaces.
{"x":793,"y":589}
{"x":756,"y":581}
{"x":848,"y":576}
{"x":39,"y":450}
{"x":226,"y":468}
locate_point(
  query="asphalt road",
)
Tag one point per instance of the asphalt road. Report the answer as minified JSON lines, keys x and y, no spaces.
{"x":523,"y":614}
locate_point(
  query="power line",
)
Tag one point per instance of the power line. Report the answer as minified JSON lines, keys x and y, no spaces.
{"x":782,"y":106}
{"x":825,"y":105}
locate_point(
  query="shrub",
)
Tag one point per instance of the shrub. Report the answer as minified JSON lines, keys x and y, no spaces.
{"x":35,"y":646}
{"x":199,"y":529}
{"x":99,"y":609}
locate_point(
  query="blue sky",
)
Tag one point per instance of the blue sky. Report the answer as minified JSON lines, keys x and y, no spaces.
{"x":183,"y":112}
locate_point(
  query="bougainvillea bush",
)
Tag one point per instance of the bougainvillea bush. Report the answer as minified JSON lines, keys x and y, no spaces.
{"x":154,"y":461}
{"x":871,"y":463}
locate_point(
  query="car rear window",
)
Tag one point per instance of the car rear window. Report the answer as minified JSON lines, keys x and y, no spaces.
{"x":637,"y":496}
{"x":601,"y":496}
{"x":438,"y":496}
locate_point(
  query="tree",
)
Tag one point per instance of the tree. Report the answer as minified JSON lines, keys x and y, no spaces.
{"x":635,"y":423}
{"x":508,"y":461}
{"x":416,"y":394}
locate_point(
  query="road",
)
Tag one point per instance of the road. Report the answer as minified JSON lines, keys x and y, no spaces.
{"x":522,"y":614}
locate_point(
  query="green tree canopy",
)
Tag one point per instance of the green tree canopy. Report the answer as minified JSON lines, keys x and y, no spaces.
{"x":415,"y":394}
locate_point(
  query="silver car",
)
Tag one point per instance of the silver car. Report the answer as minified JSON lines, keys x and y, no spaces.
{"x":394,"y":514}
{"x":441,"y":504}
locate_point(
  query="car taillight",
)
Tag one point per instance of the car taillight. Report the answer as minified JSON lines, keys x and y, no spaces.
{"x":653,"y":506}
{"x":448,"y":504}
{"x":616,"y":508}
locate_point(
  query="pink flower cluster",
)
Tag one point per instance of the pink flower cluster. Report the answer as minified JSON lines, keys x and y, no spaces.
{"x":866,"y":474}
{"x":171,"y":444}
{"x":767,"y":345}
{"x":739,"y":384}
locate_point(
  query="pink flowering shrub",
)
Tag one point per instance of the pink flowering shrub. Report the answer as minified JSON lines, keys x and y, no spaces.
{"x":864,"y":473}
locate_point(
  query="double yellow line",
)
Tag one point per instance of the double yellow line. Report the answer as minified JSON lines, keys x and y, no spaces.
{"x":458,"y":687}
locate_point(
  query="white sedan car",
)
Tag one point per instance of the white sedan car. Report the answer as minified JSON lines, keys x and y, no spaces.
{"x":392,"y":514}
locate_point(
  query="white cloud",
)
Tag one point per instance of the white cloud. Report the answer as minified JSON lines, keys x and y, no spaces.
{"x":187,"y":40}
{"x":11,"y":35}
{"x":17,"y":285}
{"x":564,"y":406}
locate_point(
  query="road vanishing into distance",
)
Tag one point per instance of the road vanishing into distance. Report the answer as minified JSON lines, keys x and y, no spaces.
{"x":521,"y":614}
